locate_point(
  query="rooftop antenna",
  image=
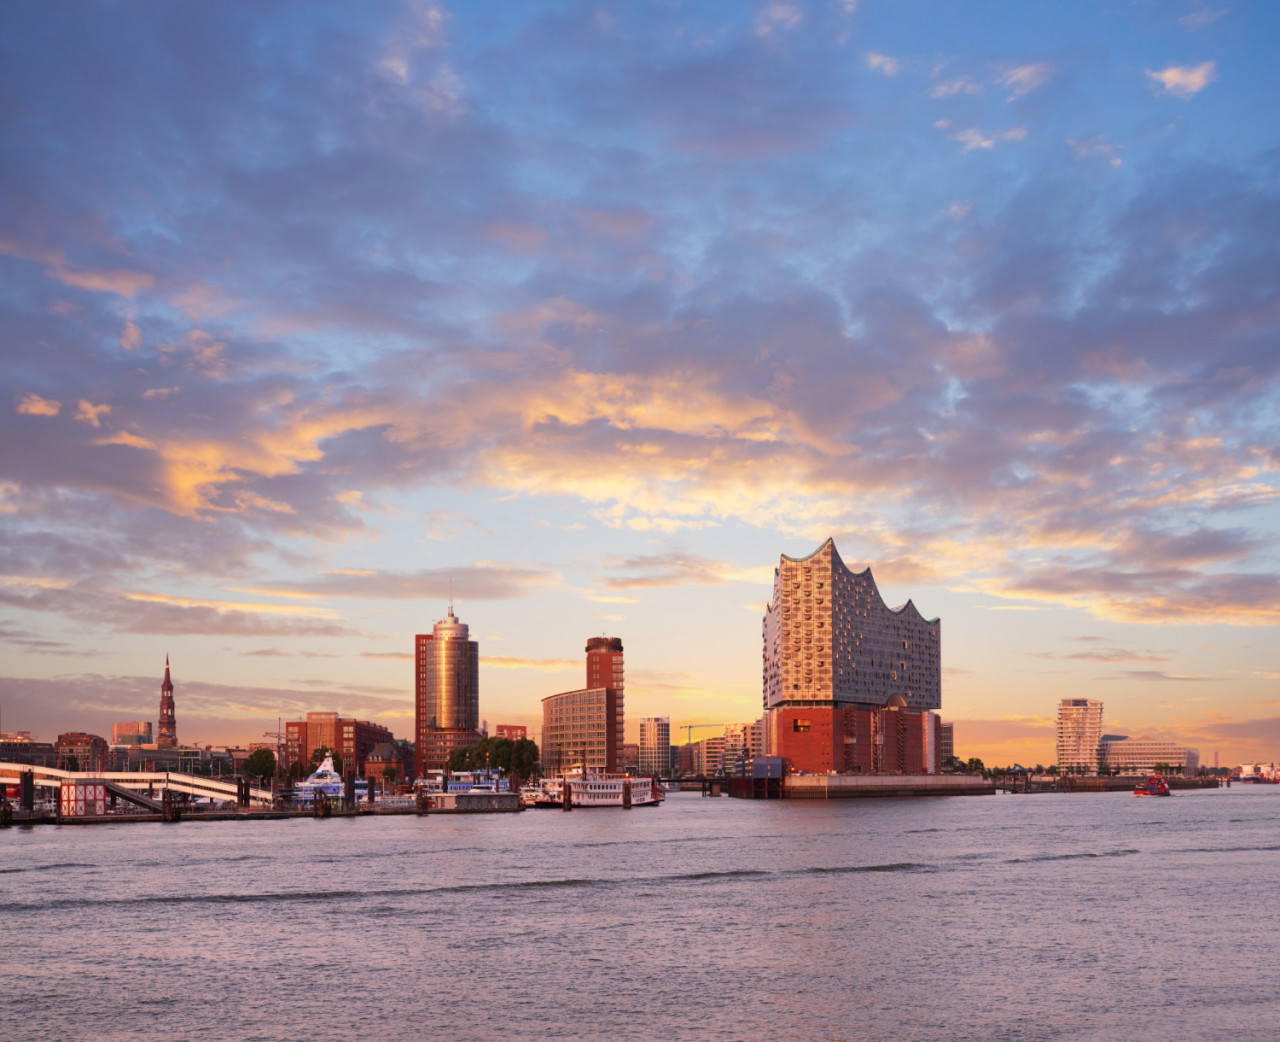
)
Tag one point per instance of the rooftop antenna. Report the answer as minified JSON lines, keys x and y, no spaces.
{"x":451,"y":595}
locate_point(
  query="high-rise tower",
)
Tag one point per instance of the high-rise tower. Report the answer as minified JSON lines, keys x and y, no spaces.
{"x":586,"y":726}
{"x":1079,"y":733}
{"x":604,"y":669}
{"x":447,"y":686}
{"x":168,"y":735}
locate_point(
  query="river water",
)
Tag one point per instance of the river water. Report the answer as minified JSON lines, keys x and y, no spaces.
{"x":1000,"y":917}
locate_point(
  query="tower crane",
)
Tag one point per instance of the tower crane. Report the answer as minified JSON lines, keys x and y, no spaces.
{"x":688,"y":729}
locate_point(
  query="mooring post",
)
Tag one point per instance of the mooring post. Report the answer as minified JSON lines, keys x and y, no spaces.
{"x":626,"y":795}
{"x":567,"y":794}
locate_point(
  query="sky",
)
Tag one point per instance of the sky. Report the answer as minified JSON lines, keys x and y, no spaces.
{"x":316,"y":317}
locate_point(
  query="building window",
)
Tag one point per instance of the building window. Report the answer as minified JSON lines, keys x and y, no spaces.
{"x":799,"y":725}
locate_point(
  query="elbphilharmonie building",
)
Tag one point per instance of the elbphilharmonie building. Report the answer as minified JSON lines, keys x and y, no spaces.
{"x":850,"y":685}
{"x":829,"y":637}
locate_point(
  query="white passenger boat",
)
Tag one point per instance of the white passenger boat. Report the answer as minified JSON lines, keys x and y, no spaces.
{"x":325,"y":781}
{"x":588,"y":789}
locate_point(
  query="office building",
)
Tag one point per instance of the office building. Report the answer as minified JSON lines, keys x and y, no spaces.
{"x":946,"y":741}
{"x":1079,"y":734}
{"x":447,"y":700}
{"x":604,"y":669}
{"x":586,"y":726}
{"x":655,"y":745}
{"x":1140,"y":756}
{"x":353,"y":740}
{"x":578,"y":729}
{"x":133,"y":732}
{"x":167,"y":738}
{"x":841,"y":669}
{"x":737,"y":744}
{"x":512,"y":731}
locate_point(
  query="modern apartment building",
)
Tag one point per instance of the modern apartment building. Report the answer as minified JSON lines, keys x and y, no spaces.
{"x":655,"y":745}
{"x":446,"y":692}
{"x":1140,"y":755}
{"x":841,"y":668}
{"x":1079,"y":734}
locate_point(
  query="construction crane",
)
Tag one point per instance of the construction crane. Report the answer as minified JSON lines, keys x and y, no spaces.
{"x":690,"y":728}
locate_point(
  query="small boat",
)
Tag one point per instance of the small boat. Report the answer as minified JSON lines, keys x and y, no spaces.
{"x":1153,"y":786}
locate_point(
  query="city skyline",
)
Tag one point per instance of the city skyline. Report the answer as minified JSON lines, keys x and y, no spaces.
{"x":320,"y":319}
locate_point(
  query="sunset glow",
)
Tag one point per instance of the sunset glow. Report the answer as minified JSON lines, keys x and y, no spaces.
{"x":317,"y":317}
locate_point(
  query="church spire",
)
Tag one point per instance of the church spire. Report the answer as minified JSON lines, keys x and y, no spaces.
{"x":168,"y":735}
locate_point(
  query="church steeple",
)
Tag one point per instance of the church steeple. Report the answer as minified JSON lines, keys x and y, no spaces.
{"x":168,"y":736}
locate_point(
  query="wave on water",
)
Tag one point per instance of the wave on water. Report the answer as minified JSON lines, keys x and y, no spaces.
{"x":49,"y":868}
{"x":839,"y":870}
{"x":1071,"y":857}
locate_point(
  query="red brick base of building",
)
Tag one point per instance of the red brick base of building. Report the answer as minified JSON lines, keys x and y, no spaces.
{"x":853,"y":740}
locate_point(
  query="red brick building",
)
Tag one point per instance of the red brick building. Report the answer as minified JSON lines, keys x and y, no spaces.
{"x":856,"y":740}
{"x":90,"y":751}
{"x":351,"y":739}
{"x":390,"y":754}
{"x":512,"y":731}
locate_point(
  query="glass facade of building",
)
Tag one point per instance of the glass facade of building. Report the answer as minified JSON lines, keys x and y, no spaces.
{"x":447,"y":701}
{"x":829,"y":637}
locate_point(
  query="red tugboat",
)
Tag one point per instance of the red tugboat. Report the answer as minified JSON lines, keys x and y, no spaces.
{"x":1153,"y":786}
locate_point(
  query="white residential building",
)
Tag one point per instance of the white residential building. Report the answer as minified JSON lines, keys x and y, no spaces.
{"x":1079,"y":733}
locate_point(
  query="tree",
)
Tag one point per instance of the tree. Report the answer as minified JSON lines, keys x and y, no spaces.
{"x":261,"y":763}
{"x":975,"y":765}
{"x":519,"y":756}
{"x":70,"y":762}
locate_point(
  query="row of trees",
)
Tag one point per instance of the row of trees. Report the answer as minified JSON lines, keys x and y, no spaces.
{"x":514,"y":756}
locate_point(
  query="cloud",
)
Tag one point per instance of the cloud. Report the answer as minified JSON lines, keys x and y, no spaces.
{"x":777,"y":16}
{"x":138,"y":612}
{"x":550,"y":665}
{"x":666,"y":569}
{"x":1159,"y":676}
{"x":954,"y":86}
{"x":1185,"y":81}
{"x":1023,"y":79}
{"x":484,"y":582}
{"x":1203,"y":17}
{"x":889,"y":66}
{"x":972,"y":139}
{"x":1096,"y":145}
{"x":34,"y":405}
{"x":89,"y":413}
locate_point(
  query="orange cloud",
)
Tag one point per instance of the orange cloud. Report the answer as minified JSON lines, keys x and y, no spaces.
{"x":34,"y":405}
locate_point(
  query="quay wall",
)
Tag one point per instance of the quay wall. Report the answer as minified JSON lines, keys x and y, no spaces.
{"x":882,"y":786}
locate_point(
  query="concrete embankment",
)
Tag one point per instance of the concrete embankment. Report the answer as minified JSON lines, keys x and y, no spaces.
{"x":882,"y":786}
